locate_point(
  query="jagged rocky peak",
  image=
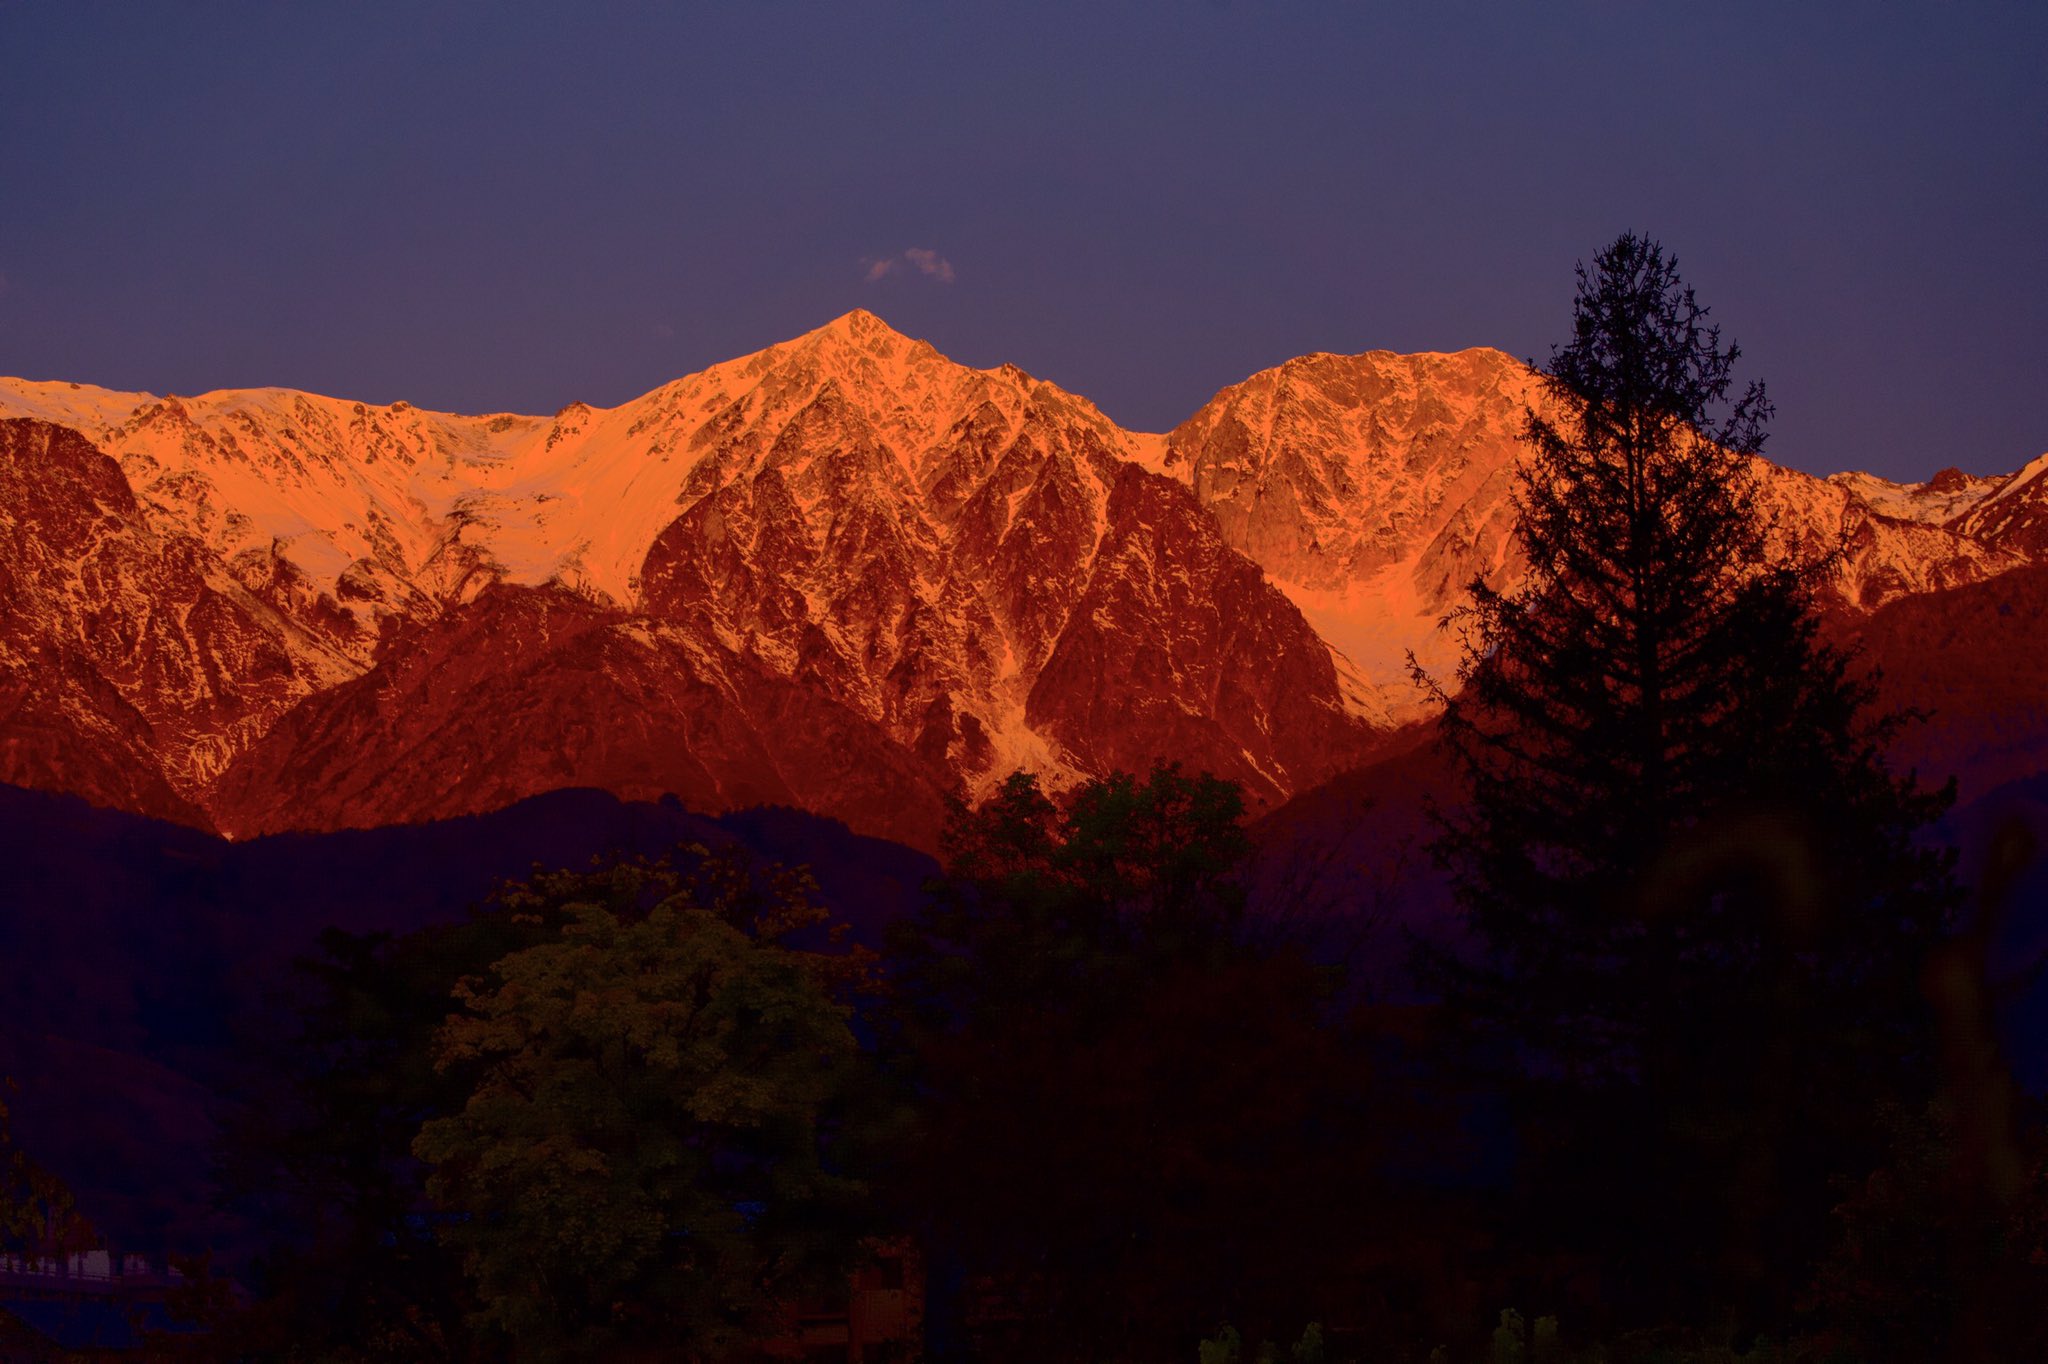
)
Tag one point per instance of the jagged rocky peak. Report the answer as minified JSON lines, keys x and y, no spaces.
{"x":1329,"y":468}
{"x":857,"y":348}
{"x":1941,"y":499}
{"x":1371,"y":488}
{"x":911,"y":533}
{"x":856,"y":391}
{"x":2013,"y":515}
{"x":862,"y":330}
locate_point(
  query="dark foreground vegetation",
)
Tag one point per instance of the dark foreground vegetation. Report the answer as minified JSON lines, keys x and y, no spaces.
{"x":1709,"y":1074}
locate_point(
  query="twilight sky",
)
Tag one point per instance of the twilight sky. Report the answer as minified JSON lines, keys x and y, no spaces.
{"x":512,"y":206}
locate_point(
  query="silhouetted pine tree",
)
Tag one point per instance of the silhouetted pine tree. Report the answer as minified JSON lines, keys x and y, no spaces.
{"x":1698,"y":906}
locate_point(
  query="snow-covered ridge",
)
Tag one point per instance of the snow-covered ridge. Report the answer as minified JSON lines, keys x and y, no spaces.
{"x":367,"y":502}
{"x":842,"y":545}
{"x":1938,"y":501}
{"x":1370,"y":488}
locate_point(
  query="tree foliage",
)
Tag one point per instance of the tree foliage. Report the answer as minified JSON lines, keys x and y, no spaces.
{"x":38,"y":1214}
{"x":1136,"y":1114}
{"x":1069,"y":904}
{"x":1938,"y":1256}
{"x":650,"y":1153}
{"x":615,"y":1111}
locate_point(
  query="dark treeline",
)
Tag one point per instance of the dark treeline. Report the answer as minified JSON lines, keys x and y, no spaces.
{"x":1708,"y":1075}
{"x":654,"y":1110}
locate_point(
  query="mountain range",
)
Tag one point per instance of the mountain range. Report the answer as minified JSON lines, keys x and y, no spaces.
{"x":846,"y":574}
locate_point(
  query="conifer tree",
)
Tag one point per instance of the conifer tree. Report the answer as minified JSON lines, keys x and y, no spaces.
{"x":1697,"y":902}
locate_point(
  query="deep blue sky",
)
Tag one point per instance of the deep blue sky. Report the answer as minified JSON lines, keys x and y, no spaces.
{"x":515,"y":206}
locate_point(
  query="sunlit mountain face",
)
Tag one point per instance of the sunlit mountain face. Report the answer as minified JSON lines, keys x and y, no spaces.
{"x":843,"y":573}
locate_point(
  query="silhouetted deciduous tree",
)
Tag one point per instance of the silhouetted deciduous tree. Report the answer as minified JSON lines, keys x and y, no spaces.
{"x":1699,"y":906}
{"x":652,"y":1156}
{"x":636,"y":1134}
{"x":38,"y":1215}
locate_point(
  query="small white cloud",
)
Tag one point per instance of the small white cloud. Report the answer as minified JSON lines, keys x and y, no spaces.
{"x":925,"y":261}
{"x":663,"y":331}
{"x":931,"y":263}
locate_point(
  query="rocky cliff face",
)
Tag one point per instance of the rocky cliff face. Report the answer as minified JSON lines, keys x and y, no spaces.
{"x":844,"y":573}
{"x":2013,"y":515}
{"x":134,"y":662}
